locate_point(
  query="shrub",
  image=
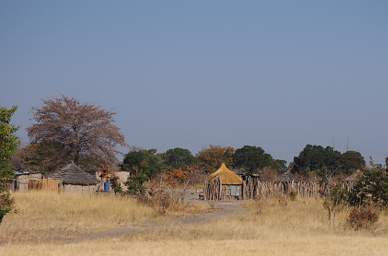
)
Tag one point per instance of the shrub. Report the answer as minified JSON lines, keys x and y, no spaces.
{"x":117,"y":189}
{"x":8,"y":144}
{"x":363,"y":217}
{"x":135,"y":185}
{"x":372,"y":187}
{"x":163,"y":201}
{"x":159,"y":199}
{"x":6,"y":203}
{"x":334,"y":201}
{"x":293,"y":195}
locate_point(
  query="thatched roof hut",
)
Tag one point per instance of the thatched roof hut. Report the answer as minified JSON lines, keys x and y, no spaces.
{"x":226,"y":176}
{"x":223,"y":184}
{"x":74,"y":178}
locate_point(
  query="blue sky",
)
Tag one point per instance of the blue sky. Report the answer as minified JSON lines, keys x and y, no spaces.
{"x":278,"y":74}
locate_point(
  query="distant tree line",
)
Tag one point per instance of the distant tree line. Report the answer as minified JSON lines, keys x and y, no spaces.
{"x":327,"y":161}
{"x":65,"y":129}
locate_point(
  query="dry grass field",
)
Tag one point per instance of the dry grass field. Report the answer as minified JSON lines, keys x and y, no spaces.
{"x":53,"y":216}
{"x":269,"y":227}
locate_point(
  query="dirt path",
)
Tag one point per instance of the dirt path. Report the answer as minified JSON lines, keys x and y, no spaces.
{"x":221,"y":210}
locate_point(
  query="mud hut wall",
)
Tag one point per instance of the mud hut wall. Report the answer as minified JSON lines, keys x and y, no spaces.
{"x":22,"y":181}
{"x":79,"y":188}
{"x":44,"y":184}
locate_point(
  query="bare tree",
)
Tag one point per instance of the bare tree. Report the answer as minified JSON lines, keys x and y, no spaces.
{"x":82,"y":133}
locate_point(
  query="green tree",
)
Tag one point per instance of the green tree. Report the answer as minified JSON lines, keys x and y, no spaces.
{"x":252,"y":159}
{"x":350,"y":161}
{"x":212,"y":157}
{"x":372,"y":187}
{"x":8,"y":145}
{"x":135,"y":184}
{"x":315,"y":158}
{"x":142,"y":165}
{"x":178,"y":157}
{"x":279,"y":165}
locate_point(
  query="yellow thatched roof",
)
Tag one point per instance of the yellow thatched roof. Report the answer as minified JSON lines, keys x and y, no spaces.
{"x":227,"y":176}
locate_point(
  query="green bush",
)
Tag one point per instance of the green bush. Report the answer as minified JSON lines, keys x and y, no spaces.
{"x":371,"y":188}
{"x":135,"y":185}
{"x":117,"y":189}
{"x":6,"y":203}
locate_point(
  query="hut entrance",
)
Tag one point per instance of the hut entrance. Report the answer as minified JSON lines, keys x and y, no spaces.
{"x":223,"y":184}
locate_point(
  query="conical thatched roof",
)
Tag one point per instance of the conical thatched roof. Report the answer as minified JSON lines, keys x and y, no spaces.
{"x":74,"y":175}
{"x":226,"y":176}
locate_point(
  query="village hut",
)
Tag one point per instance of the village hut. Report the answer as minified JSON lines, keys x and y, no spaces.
{"x":223,"y":184}
{"x":74,"y":179}
{"x":23,"y":178}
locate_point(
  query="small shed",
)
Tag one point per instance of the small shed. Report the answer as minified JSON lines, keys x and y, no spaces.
{"x":23,"y":178}
{"x":223,"y":184}
{"x":74,"y":179}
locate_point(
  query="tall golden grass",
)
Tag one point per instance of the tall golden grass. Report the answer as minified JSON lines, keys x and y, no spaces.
{"x":281,"y":246}
{"x":268,"y":227}
{"x":42,"y":215}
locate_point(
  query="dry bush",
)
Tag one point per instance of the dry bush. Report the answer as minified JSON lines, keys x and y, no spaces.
{"x":293,"y":195}
{"x":335,"y":202}
{"x":364,"y":217}
{"x":159,"y":200}
{"x":171,"y":201}
{"x":167,"y":196}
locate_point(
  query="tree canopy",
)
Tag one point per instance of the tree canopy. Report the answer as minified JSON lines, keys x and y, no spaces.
{"x":318,"y":158}
{"x":252,"y":159}
{"x":351,"y":161}
{"x":142,"y":165}
{"x":83,"y":133}
{"x":178,"y":157}
{"x":8,"y":145}
{"x":142,"y":161}
{"x":8,"y":141}
{"x":212,"y":157}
